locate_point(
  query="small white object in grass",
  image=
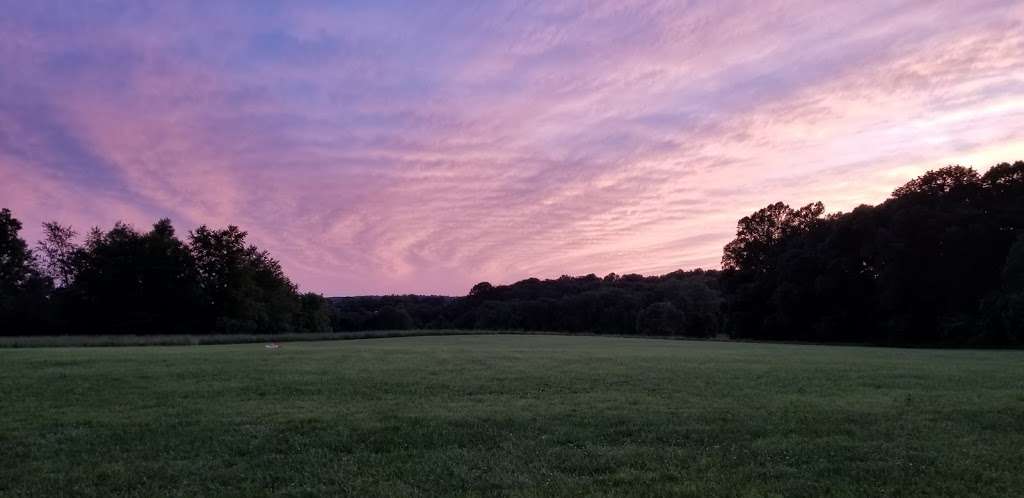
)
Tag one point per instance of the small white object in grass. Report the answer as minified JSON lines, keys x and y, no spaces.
{"x":272,"y":345}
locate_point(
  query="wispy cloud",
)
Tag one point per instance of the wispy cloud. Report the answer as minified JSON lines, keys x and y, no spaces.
{"x":405,"y":147}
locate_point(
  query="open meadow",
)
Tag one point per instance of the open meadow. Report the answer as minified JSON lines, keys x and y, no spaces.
{"x":511,"y":415}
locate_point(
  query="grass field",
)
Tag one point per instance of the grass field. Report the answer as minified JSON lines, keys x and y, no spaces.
{"x":510,"y":416}
{"x":46,"y":341}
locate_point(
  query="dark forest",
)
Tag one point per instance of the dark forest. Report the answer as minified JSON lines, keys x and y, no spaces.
{"x":940,"y":262}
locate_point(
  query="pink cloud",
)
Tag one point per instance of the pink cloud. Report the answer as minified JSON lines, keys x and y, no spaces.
{"x":418,"y":150}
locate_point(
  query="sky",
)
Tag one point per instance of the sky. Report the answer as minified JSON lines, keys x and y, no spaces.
{"x":422,"y":146}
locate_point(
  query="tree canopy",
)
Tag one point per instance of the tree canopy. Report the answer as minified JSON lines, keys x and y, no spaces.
{"x":122,"y":281}
{"x":940,"y":262}
{"x":927,"y":266}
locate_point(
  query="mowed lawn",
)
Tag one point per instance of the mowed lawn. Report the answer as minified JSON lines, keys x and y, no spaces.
{"x":511,"y":415}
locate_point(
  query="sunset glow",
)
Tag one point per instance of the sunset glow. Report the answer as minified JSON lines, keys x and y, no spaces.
{"x":415,"y":147}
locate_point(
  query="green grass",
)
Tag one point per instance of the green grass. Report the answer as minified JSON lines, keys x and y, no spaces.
{"x":511,"y":415}
{"x":49,"y":341}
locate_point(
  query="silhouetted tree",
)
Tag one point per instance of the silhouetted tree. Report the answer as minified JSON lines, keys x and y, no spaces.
{"x":17,"y":264}
{"x":939,"y":262}
{"x":58,"y":252}
{"x":587,"y":304}
{"x":23,"y":288}
{"x":245,"y":290}
{"x":124,"y":281}
{"x":128,"y":282}
{"x":918,"y":268}
{"x":315,"y":313}
{"x":481,"y":289}
{"x":1003,"y":320}
{"x":758,"y":234}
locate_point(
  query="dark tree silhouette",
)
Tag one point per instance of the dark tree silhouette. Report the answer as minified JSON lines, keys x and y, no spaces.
{"x":23,"y":288}
{"x":481,"y":289}
{"x":587,"y":304}
{"x":390,"y":318}
{"x":17,"y":264}
{"x":58,"y":252}
{"x":940,"y":262}
{"x":315,"y":313}
{"x":245,"y":289}
{"x":129,"y":282}
{"x":123,"y":281}
{"x":660,"y":319}
{"x":920,"y":268}
{"x":1003,"y":319}
{"x":758,"y":234}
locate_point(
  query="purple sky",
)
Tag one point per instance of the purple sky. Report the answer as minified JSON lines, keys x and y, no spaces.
{"x":393,"y":147}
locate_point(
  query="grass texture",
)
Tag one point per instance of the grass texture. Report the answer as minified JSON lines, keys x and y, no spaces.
{"x":510,"y":415}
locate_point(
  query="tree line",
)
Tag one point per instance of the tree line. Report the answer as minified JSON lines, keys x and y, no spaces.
{"x":679,"y":303}
{"x":122,"y":281}
{"x":940,"y":262}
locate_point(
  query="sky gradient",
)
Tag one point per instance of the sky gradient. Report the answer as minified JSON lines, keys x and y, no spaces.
{"x":421,"y":147}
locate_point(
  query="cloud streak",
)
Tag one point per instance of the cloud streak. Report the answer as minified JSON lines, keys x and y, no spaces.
{"x":398,"y":147}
